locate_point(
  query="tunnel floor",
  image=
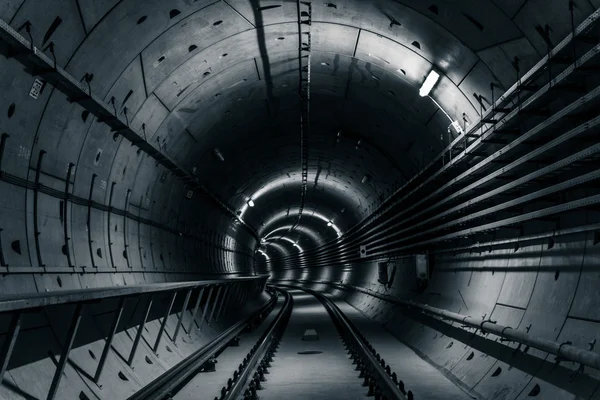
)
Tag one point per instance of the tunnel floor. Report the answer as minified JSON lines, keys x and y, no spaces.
{"x":425,"y":381}
{"x":208,"y":385}
{"x":322,"y":368}
{"x":328,"y":375}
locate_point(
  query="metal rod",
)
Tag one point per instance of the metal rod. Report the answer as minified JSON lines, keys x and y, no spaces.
{"x":125,"y":230}
{"x":164,"y":322}
{"x":60,"y":368}
{"x":210,"y":292}
{"x":3,"y":138}
{"x":139,"y":233}
{"x":89,"y":222}
{"x":215,"y":303}
{"x":66,"y":217}
{"x":140,"y":331}
{"x":183,"y":310}
{"x":223,"y":302}
{"x":111,"y":334}
{"x":236,"y":295}
{"x":563,"y":351}
{"x":9,"y":342}
{"x":196,"y":306}
{"x":108,"y":213}
{"x":36,"y":230}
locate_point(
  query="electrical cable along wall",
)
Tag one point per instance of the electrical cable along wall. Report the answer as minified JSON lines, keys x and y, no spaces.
{"x":508,"y":219}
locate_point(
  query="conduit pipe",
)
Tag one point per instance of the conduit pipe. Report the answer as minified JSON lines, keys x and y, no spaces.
{"x":564,"y":351}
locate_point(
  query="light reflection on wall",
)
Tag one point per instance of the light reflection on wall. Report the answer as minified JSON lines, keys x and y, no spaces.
{"x":279,"y":247}
{"x":304,"y":229}
{"x":285,"y":182}
{"x":284,"y":214}
{"x":293,"y":243}
{"x":305,"y":274}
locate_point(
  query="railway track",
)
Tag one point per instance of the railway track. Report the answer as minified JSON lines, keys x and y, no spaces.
{"x":304,"y":348}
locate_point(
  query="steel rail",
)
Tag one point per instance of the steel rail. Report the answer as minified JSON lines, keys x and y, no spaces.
{"x":38,"y":64}
{"x":168,"y":382}
{"x":24,"y":301}
{"x":388,"y":386}
{"x":563,"y":350}
{"x":261,"y":346}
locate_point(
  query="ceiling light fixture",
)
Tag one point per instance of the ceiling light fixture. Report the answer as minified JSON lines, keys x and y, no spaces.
{"x":250,"y":203}
{"x":457,"y":128}
{"x":329,"y":223}
{"x":429,"y":83}
{"x":218,"y":154}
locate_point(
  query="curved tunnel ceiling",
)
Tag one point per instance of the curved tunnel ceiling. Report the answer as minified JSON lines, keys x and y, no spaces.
{"x":202,"y":78}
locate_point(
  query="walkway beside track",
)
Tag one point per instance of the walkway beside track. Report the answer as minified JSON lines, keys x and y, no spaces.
{"x":425,"y":381}
{"x":328,"y":375}
{"x":207,"y":385}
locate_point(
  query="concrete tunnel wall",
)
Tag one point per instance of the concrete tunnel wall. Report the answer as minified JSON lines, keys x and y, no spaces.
{"x":549,"y":289}
{"x":76,"y":246}
{"x":182,"y":239}
{"x":40,"y":342}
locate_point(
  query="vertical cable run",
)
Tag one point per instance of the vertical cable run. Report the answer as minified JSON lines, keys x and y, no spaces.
{"x":304,"y":57}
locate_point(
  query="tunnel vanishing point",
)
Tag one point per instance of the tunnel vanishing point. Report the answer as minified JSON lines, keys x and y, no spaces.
{"x":290,"y":199}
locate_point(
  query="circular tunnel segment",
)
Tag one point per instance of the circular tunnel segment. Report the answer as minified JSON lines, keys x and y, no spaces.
{"x":215,"y":86}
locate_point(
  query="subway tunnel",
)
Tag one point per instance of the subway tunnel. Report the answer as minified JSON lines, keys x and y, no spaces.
{"x":423,"y":173}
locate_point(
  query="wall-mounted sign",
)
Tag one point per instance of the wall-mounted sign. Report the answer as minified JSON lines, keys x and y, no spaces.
{"x":36,"y":88}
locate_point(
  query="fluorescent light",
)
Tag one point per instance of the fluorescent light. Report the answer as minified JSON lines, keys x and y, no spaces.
{"x":218,"y":154}
{"x":251,"y":202}
{"x":429,"y":83}
{"x":263,"y":253}
{"x":457,"y":128}
{"x":298,"y":247}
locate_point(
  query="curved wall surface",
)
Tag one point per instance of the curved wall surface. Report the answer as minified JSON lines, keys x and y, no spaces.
{"x":213,"y":85}
{"x":547,"y":289}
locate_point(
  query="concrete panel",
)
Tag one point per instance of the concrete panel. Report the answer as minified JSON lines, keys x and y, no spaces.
{"x":171,"y":49}
{"x":22,"y":123}
{"x":517,"y":287}
{"x":554,"y":13}
{"x":586,"y":303}
{"x":554,"y":291}
{"x":126,"y":30}
{"x":14,"y":244}
{"x":499,"y":59}
{"x":215,"y":61}
{"x":9,"y":8}
{"x":52,"y":21}
{"x":434,"y":44}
